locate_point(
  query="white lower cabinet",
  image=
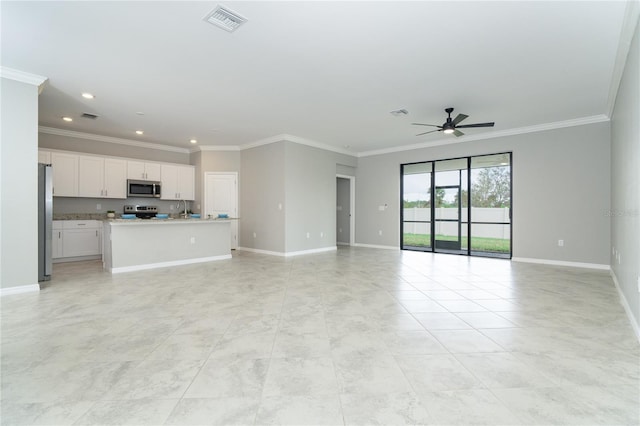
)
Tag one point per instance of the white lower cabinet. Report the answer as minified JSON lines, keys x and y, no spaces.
{"x":56,"y":239}
{"x":76,"y":238}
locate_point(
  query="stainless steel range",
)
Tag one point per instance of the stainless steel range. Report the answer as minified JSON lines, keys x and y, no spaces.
{"x":141,"y":212}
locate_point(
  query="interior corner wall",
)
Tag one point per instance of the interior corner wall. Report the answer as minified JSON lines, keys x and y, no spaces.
{"x":262,"y":191}
{"x":561,"y":185}
{"x":625,"y":183}
{"x":19,"y":202}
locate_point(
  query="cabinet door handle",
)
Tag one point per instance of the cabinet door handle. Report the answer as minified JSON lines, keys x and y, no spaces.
{"x":96,"y":232}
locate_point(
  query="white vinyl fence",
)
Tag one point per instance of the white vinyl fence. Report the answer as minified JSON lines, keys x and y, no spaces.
{"x":478,"y":214}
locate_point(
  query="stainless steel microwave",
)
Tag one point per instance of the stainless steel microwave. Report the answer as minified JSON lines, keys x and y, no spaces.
{"x":143,"y":188}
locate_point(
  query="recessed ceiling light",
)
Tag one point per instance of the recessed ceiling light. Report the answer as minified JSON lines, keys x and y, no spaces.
{"x":87,"y":95}
{"x":193,"y":141}
{"x":139,"y":132}
{"x":140,"y":113}
{"x":67,"y":118}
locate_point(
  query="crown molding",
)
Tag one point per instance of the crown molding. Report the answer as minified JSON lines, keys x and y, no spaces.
{"x":24,"y":77}
{"x":492,"y":135}
{"x":629,"y":24}
{"x":284,"y":137}
{"x":109,"y":139}
{"x":216,"y":148}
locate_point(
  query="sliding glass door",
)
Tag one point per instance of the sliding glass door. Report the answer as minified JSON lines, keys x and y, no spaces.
{"x":491,"y":205}
{"x":416,"y":206}
{"x":436,"y":196}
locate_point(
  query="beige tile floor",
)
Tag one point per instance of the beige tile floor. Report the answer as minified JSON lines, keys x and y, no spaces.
{"x":357,"y":336}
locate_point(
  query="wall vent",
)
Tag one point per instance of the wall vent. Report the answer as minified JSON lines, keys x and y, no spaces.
{"x":89,"y":116}
{"x":225,"y":19}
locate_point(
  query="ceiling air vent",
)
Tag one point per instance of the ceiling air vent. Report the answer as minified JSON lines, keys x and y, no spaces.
{"x":225,"y":19}
{"x":89,"y":116}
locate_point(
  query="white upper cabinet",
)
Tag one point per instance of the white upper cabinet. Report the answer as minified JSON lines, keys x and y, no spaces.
{"x":97,"y":176}
{"x":143,"y":171}
{"x":115,"y":178}
{"x":65,"y":174}
{"x":101,"y":177}
{"x":178,"y":182}
{"x":44,"y":157}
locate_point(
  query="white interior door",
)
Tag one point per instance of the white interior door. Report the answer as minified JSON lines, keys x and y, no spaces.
{"x":221,"y":197}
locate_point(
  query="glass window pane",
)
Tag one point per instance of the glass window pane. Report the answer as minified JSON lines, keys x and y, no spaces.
{"x":491,"y":238}
{"x":416,"y":235}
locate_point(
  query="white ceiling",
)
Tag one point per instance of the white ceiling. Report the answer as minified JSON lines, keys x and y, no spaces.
{"x":326,"y":72}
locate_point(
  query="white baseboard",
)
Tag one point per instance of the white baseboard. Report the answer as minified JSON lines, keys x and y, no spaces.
{"x":376,"y":246}
{"x":76,"y":259}
{"x":259,"y":251}
{"x":19,"y":289}
{"x":562,"y":263}
{"x":166,"y":264}
{"x":290,"y":253}
{"x":343,"y":244}
{"x":625,"y":305}
{"x":312,"y":251}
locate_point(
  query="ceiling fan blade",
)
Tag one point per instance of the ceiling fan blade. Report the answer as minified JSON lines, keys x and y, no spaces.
{"x":476,"y":125}
{"x":458,"y":133}
{"x":420,"y":134}
{"x":422,"y":124}
{"x":459,"y":118}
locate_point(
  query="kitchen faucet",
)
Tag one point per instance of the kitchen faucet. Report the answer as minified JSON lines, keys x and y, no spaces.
{"x":185,"y":208}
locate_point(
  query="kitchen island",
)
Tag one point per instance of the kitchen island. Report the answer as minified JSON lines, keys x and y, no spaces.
{"x":138,"y":244}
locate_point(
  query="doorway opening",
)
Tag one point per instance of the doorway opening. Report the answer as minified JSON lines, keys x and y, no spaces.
{"x":345,"y":210}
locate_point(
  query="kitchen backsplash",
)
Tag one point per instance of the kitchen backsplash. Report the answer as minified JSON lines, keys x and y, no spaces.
{"x":90,"y":208}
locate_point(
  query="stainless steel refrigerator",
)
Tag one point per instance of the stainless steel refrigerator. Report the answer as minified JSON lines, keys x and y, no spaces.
{"x":45,"y":221}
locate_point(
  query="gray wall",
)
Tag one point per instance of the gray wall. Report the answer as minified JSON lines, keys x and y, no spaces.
{"x":311,"y":196}
{"x":289,"y":190}
{"x":90,"y":146}
{"x":262,"y":189}
{"x":558,"y":176}
{"x":343,"y":206}
{"x":19,"y":209}
{"x":625,"y":182}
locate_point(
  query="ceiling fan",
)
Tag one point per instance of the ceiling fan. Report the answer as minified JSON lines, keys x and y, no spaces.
{"x":451,"y":126}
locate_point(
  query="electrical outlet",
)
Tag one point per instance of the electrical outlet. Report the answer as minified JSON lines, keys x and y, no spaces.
{"x":380,"y":232}
{"x":381,"y":208}
{"x":171,"y":207}
{"x":98,"y":206}
{"x":308,"y":235}
{"x":193,"y":240}
{"x":638,"y":283}
{"x":254,"y":235}
{"x":560,"y":243}
{"x":279,"y":206}
{"x":321,"y":234}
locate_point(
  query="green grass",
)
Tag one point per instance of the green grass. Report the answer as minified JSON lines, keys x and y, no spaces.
{"x":497,"y":245}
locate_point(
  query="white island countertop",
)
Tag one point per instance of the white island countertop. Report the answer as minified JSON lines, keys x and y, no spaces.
{"x":138,"y":244}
